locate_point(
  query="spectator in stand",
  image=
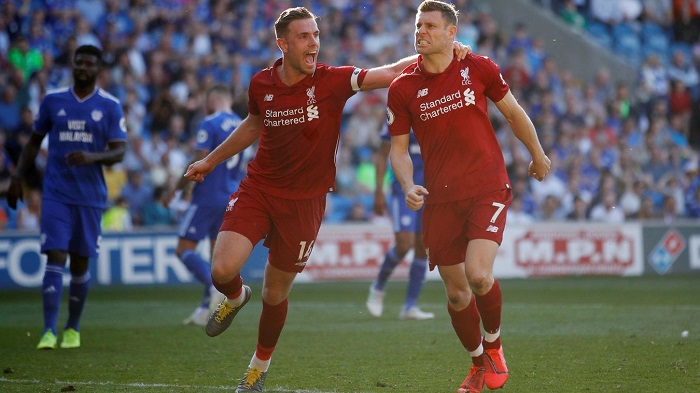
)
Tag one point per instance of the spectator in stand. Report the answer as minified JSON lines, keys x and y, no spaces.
{"x":579,"y":212}
{"x":570,"y":14}
{"x":137,"y":193}
{"x":25,"y":58}
{"x":683,"y":69}
{"x":653,"y":82}
{"x":29,"y":214}
{"x":658,"y":12}
{"x":607,"y":210}
{"x":686,"y":21}
{"x":516,"y":214}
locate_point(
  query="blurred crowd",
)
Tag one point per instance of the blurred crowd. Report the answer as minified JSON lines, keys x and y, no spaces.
{"x":619,"y":151}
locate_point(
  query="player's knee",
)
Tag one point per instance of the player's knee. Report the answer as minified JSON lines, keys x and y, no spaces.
{"x":222,"y":273}
{"x":56,"y":257}
{"x":458,"y":298}
{"x":480,"y":282}
{"x":274,"y":296}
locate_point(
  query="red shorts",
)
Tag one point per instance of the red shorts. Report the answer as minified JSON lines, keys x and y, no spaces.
{"x":448,"y":227}
{"x":289,"y":226}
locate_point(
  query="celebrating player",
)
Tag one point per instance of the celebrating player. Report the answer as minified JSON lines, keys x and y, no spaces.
{"x":208,"y":202}
{"x":87,"y":130}
{"x":295,"y":110}
{"x":467,"y":190}
{"x":407,"y":235}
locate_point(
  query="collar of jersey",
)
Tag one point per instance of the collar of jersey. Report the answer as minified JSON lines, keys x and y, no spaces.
{"x":423,"y":71}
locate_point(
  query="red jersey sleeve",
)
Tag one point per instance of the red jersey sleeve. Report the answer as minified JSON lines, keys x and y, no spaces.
{"x":496,"y":86}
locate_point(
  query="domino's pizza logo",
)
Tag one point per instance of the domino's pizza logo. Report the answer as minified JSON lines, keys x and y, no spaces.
{"x":666,"y":252}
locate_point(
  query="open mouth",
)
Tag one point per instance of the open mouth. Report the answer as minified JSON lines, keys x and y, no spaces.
{"x":422,"y":43}
{"x":310,"y":57}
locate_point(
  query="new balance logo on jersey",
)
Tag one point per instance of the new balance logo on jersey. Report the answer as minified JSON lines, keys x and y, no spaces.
{"x":492,"y":228}
{"x":193,"y":230}
{"x":422,"y":93}
{"x":61,"y":113}
{"x":300,"y":264}
{"x":268,"y":97}
{"x":469,"y":97}
{"x":230,"y":204}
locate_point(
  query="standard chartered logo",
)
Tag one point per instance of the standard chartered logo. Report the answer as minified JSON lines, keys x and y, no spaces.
{"x":447,"y":103}
{"x":312,"y":112}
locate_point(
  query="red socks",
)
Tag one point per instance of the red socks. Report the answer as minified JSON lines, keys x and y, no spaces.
{"x":272,"y":321}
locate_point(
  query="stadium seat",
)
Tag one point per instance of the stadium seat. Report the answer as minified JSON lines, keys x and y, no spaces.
{"x":627,"y":43}
{"x":599,"y":33}
{"x":655,"y":39}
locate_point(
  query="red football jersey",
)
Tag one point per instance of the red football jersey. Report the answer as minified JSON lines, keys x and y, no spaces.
{"x":301,"y":129}
{"x":448,"y":114}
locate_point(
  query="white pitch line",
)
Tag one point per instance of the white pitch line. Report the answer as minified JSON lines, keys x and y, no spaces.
{"x":145,"y":385}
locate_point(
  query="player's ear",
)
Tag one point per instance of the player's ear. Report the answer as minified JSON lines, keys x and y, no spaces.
{"x":282,"y":44}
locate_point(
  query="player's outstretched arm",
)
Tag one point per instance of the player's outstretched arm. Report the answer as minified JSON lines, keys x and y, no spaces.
{"x":243,"y":136}
{"x":381,"y":77}
{"x":524,"y":130}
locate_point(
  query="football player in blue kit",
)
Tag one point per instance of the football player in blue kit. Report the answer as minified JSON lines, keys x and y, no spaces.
{"x":86,"y":130}
{"x":209,"y":198}
{"x":407,"y":232}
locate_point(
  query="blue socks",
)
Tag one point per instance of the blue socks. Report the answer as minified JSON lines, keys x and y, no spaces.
{"x":52,"y":288}
{"x":76,"y":301}
{"x":390,"y":262}
{"x":200,"y":270}
{"x":416,"y":278}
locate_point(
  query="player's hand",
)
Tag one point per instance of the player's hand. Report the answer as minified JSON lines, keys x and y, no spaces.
{"x":415,"y":197}
{"x":79,"y":157}
{"x":198,"y":169}
{"x":379,"y":203}
{"x":14,"y":192}
{"x":461,"y":50}
{"x":540,"y":168}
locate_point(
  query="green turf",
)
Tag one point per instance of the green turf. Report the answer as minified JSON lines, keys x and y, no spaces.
{"x":560,"y":335}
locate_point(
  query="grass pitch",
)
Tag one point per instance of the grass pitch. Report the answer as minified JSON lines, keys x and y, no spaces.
{"x":586,"y":334}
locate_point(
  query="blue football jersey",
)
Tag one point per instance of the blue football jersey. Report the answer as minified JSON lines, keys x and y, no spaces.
{"x":414,"y":151}
{"x":223,"y":180}
{"x":73,"y":124}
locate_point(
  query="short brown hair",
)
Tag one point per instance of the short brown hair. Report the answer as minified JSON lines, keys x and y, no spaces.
{"x":448,"y":10}
{"x":288,"y":16}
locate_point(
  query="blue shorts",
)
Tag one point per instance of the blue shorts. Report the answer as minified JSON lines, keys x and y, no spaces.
{"x":403,"y":218}
{"x":200,"y":222}
{"x":71,"y":228}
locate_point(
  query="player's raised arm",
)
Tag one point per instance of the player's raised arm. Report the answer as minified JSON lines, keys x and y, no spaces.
{"x":243,"y":136}
{"x":524,"y":130}
{"x":381,"y":77}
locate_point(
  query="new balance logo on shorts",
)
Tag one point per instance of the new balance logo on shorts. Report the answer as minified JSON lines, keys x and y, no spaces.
{"x":492,"y":228}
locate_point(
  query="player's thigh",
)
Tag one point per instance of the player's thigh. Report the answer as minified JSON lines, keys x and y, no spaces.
{"x":487,"y":215}
{"x":56,"y":226}
{"x":86,"y":231}
{"x":456,"y":285}
{"x":70,"y":228}
{"x":246,"y":221}
{"x":444,"y":234}
{"x":296,"y":225}
{"x":230,"y":253}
